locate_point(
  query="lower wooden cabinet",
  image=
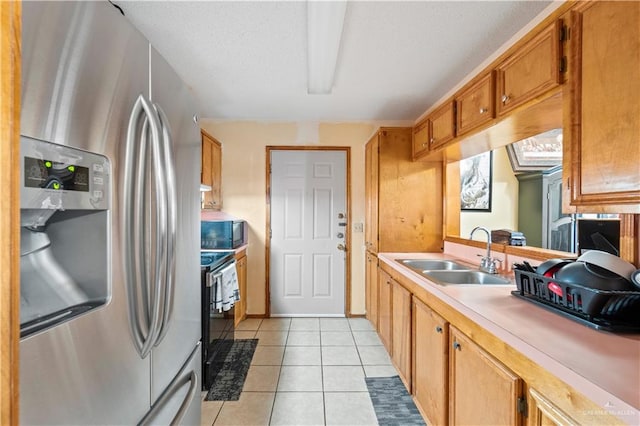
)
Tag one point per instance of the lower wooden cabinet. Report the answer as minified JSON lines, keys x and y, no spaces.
{"x":240,"y":308}
{"x":430,"y":363}
{"x":401,"y":331}
{"x":481,"y":389}
{"x":371,"y":289}
{"x":384,"y":309}
{"x":543,"y":412}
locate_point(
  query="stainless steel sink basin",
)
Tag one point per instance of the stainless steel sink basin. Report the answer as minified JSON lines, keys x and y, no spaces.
{"x":431,"y":265}
{"x":464,"y":277}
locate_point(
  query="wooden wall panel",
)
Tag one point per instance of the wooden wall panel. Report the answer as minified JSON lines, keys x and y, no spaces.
{"x":10,"y":12}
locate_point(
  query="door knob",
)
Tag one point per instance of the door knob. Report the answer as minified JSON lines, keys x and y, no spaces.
{"x":342,"y":247}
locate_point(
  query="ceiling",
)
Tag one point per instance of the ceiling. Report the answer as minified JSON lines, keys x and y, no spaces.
{"x":247,"y":60}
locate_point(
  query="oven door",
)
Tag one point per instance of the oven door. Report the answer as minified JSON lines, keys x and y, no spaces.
{"x":217,"y":330}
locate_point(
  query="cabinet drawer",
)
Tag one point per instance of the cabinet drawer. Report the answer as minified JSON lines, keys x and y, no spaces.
{"x":475,"y":104}
{"x":530,"y":71}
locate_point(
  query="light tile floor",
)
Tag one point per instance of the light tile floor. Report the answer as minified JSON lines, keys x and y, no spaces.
{"x":306,"y":371}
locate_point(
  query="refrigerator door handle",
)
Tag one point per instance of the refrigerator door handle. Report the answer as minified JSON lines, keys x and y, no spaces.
{"x":143,"y":325}
{"x":172,"y":205}
{"x":178,"y":382}
{"x":159,"y":275}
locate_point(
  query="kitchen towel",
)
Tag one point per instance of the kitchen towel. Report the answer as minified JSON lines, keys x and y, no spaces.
{"x":225,"y":288}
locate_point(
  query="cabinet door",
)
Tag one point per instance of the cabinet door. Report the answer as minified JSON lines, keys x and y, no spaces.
{"x":212,"y":172}
{"x":482,"y":390}
{"x":409,"y":197}
{"x":205,"y":168}
{"x":475,"y":104}
{"x":240,"y":309}
{"x":371,"y":289}
{"x":420,"y":139}
{"x":384,"y":309}
{"x":430,"y":363}
{"x":401,"y":331}
{"x":371,"y":195}
{"x":604,"y":71}
{"x":442,"y":123}
{"x":531,"y":71}
{"x":543,"y":412}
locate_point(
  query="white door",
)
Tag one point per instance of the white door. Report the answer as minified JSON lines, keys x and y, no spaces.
{"x":308,"y":224}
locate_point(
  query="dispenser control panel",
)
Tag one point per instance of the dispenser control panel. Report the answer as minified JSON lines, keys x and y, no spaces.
{"x":43,"y":173}
{"x":59,"y":177}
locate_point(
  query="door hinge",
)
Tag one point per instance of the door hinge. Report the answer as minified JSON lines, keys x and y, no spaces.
{"x":522,"y":406}
{"x":270,"y":233}
{"x":565,"y":33}
{"x":563,"y":64}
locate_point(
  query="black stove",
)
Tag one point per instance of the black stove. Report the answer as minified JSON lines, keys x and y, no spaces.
{"x":213,"y":259}
{"x":217,"y":327}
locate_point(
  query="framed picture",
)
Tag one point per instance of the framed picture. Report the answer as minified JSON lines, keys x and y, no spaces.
{"x":475,"y":183}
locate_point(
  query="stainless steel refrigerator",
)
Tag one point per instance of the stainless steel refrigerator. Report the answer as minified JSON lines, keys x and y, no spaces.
{"x":110,"y":284}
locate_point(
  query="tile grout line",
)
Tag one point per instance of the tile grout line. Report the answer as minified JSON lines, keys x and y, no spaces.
{"x":275,"y":391}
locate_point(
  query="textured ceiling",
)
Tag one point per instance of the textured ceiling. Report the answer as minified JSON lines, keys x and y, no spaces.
{"x":247,"y":60}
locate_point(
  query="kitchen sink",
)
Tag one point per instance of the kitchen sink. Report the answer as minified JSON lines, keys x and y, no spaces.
{"x":431,"y":265}
{"x":464,"y":277}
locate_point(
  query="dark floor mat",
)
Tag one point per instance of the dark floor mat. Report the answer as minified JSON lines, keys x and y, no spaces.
{"x":392,"y":403}
{"x":229,"y":372}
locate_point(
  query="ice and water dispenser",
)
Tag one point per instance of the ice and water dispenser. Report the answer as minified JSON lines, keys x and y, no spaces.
{"x":64,"y":244}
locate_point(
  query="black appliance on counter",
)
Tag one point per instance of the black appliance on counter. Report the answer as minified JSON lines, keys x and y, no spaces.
{"x":217,"y":328}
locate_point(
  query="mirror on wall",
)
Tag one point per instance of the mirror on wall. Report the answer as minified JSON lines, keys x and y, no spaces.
{"x":525,"y":187}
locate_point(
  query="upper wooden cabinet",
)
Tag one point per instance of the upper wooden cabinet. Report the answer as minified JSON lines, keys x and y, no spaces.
{"x":478,"y":381}
{"x":402,"y":195}
{"x":211,"y":172}
{"x":530,"y":71}
{"x":421,"y":139}
{"x":475,"y":104}
{"x":371,"y":194}
{"x":602,"y":136}
{"x":442,"y":125}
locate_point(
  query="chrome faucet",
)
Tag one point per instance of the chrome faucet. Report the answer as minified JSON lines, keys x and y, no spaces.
{"x":487,"y":264}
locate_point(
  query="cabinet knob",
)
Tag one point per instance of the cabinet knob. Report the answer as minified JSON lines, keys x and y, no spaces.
{"x":457,"y":346}
{"x":439,"y":329}
{"x":505,"y":99}
{"x":424,"y":144}
{"x":432,"y":140}
{"x":483,"y":110}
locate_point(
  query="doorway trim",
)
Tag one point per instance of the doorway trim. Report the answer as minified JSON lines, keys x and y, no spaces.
{"x":267,"y":251}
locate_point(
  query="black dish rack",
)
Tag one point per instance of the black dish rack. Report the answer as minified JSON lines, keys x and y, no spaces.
{"x":616,"y":311}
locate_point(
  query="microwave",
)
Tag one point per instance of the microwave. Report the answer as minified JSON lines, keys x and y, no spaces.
{"x":223,"y":234}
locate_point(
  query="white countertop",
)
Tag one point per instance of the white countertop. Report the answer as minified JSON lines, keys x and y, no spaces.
{"x":604,"y":366}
